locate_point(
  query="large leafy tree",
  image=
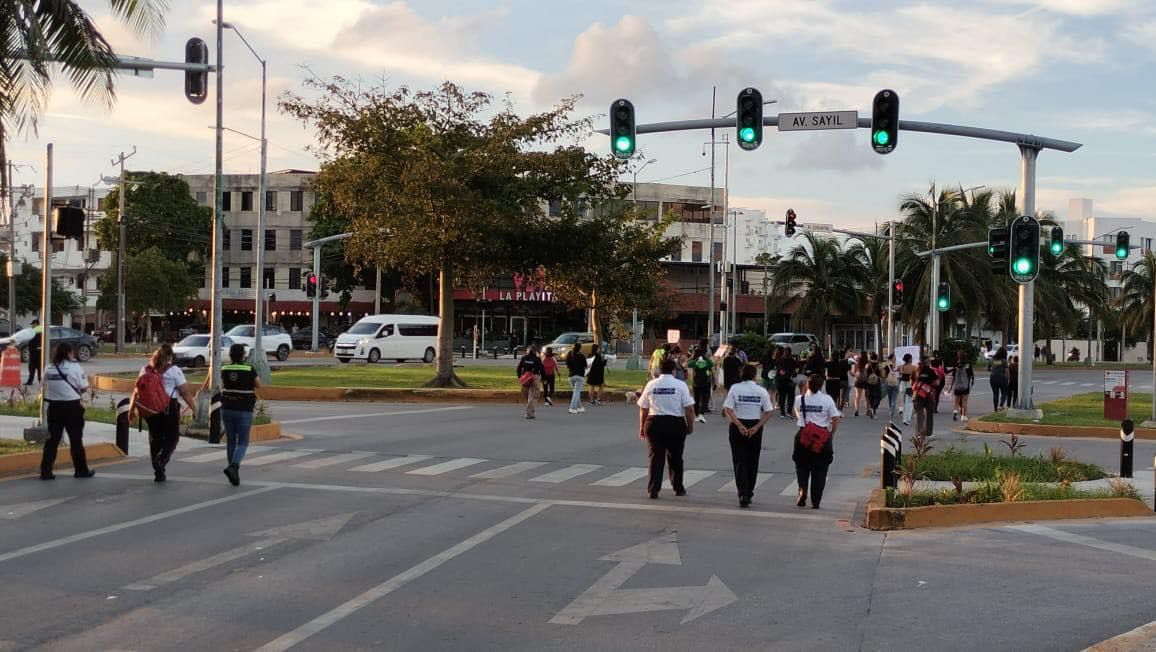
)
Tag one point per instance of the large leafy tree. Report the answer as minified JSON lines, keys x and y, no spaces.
{"x":822,"y":280}
{"x":37,"y":35}
{"x":444,"y":182}
{"x":28,"y":286}
{"x":159,"y":212}
{"x":1137,"y":301}
{"x":153,"y":282}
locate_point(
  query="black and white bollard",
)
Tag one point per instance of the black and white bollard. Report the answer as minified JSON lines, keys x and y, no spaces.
{"x":890,"y":455}
{"x":1127,"y":437}
{"x":122,"y":425}
{"x":215,"y":419}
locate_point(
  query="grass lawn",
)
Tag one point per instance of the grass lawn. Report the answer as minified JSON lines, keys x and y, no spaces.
{"x":96,"y":414}
{"x":978,"y":467}
{"x":416,"y":376}
{"x":1099,"y":365}
{"x":16,"y":446}
{"x":1083,"y":410}
{"x":990,"y":493}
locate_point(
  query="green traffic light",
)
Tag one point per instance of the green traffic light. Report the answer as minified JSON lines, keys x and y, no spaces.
{"x":1057,"y":248}
{"x":1022,"y":266}
{"x":881,"y":138}
{"x":623,"y":144}
{"x":1121,"y":253}
{"x":747,"y":134}
{"x":942,"y":303}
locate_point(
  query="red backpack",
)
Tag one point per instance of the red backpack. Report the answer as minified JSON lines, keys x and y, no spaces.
{"x":149,"y":398}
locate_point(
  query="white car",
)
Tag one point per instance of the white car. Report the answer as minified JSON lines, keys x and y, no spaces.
{"x":1012,"y":351}
{"x":274,"y":340}
{"x":193,"y":351}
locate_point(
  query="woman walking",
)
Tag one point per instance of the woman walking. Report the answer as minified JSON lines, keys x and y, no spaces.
{"x":962,"y":378}
{"x":64,"y":387}
{"x":702,"y":368}
{"x":924,"y":389}
{"x":785,"y":381}
{"x":576,"y":367}
{"x":1013,"y":382}
{"x":874,"y":384}
{"x":550,"y":370}
{"x":890,"y":383}
{"x":596,"y":379}
{"x":165,"y":426}
{"x":859,"y":370}
{"x":529,"y":373}
{"x":907,"y":381}
{"x":998,"y":378}
{"x":818,"y":419}
{"x":239,"y":383}
{"x":747,"y":407}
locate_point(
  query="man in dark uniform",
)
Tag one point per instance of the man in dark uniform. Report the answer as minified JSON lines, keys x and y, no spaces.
{"x":665,"y":418}
{"x":34,"y":348}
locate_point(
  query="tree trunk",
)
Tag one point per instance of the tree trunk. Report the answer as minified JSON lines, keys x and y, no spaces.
{"x":445,"y":352}
{"x":595,"y":326}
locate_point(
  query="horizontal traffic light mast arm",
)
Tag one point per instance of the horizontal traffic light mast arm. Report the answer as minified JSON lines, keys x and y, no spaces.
{"x":331,"y":238}
{"x":1028,"y":140}
{"x":1097,"y":243}
{"x":138,"y":63}
{"x":944,"y":250}
{"x":857,"y":234}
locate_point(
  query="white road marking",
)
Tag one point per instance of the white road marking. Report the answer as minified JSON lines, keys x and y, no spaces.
{"x":278,"y":457}
{"x":791,"y":490}
{"x":218,"y":454}
{"x":1049,"y":382}
{"x":1087,"y":384}
{"x":370,"y":415}
{"x":1082,"y":540}
{"x":1067,"y":384}
{"x":570,"y":472}
{"x":331,"y":461}
{"x":508,"y":470}
{"x":622,"y":478}
{"x":691,"y":478}
{"x":392,"y":463}
{"x":63,"y":541}
{"x":444,"y":467}
{"x":13,"y":512}
{"x":759,"y":480}
{"x":286,"y":641}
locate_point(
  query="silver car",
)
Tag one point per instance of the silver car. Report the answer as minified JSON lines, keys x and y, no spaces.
{"x":798,"y":343}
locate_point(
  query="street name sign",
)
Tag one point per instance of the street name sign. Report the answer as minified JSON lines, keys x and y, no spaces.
{"x":818,"y":120}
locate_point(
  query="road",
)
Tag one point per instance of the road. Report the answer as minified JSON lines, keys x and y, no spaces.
{"x":450,"y":527}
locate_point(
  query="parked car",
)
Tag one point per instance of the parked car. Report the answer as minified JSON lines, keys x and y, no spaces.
{"x":303,"y":339}
{"x":566,"y":342}
{"x":396,"y":337}
{"x":85,"y":345}
{"x":192,"y":329}
{"x":798,"y":343}
{"x":193,"y":351}
{"x":1012,"y":350}
{"x":274,"y":340}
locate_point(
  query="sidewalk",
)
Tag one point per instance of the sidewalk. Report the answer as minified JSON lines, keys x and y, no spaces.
{"x":95,"y":433}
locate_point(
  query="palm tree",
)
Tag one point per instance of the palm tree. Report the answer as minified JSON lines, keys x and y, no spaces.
{"x":1136,"y":300}
{"x":36,"y":34}
{"x":871,"y":255}
{"x":820,"y":277}
{"x":1067,"y":285}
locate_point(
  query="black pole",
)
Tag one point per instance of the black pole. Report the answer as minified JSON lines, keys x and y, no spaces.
{"x":122,"y":425}
{"x":215,"y":419}
{"x":1127,"y":441}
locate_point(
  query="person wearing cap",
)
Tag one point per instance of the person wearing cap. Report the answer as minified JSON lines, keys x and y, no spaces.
{"x":747,"y":408}
{"x":665,"y":418}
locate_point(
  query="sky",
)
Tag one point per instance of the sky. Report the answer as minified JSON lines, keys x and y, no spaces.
{"x":1078,"y":70}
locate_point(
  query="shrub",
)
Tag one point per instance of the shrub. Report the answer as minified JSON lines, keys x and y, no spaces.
{"x":949,"y":348}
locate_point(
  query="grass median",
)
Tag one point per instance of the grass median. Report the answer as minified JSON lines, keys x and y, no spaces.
{"x":412,"y":377}
{"x":1082,"y":410}
{"x":9,"y":446}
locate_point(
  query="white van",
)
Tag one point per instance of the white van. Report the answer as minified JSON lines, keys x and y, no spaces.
{"x":396,"y":337}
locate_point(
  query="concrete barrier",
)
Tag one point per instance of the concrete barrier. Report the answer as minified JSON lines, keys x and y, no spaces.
{"x":29,"y":462}
{"x":1040,"y":430}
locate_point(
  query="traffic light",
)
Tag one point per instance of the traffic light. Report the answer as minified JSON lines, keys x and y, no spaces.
{"x":622,"y":135}
{"x":885,"y":122}
{"x":196,"y":83}
{"x":789,"y":230}
{"x":997,"y":249}
{"x":1122,"y":239}
{"x":1025,"y":249}
{"x":310,"y":285}
{"x":943,"y":297}
{"x":749,"y":119}
{"x":1056,"y":246}
{"x":324,"y":287}
{"x":897,"y":294}
{"x":70,"y":222}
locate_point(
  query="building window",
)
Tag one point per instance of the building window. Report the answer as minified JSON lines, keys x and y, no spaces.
{"x":202,"y":197}
{"x":246,"y":200}
{"x":677,"y":255}
{"x":271,"y":200}
{"x":270,"y":240}
{"x":1146,"y":244}
{"x":246,"y":239}
{"x":555,"y":208}
{"x":226,"y":201}
{"x":228,"y":240}
{"x":696,"y":252}
{"x":225,"y":277}
{"x":294,"y":239}
{"x":246,"y":277}
{"x":294,"y":278}
{"x":1115,"y":269}
{"x":1114,"y":292}
{"x":296,"y":200}
{"x":269,"y":278}
{"x":36,"y":242}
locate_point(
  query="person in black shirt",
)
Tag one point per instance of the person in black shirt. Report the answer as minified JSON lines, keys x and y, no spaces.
{"x":596,"y":379}
{"x":34,"y":348}
{"x":785,"y":381}
{"x":732,"y":367}
{"x":239,"y":384}
{"x":532,"y":364}
{"x":837,"y":370}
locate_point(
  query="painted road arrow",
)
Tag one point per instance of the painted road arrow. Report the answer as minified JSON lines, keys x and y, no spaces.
{"x":321,"y":529}
{"x":605,"y":598}
{"x":13,"y":512}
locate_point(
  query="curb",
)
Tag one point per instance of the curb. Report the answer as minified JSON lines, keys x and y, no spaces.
{"x":881,"y":517}
{"x":1038,"y":430}
{"x":29,"y":462}
{"x":264,"y":432}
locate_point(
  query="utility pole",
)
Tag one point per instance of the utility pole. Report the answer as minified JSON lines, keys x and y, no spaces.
{"x":121,"y":232}
{"x":891,"y":288}
{"x":710,"y":245}
{"x":215,"y":312}
{"x":46,"y":286}
{"x":1024,"y":404}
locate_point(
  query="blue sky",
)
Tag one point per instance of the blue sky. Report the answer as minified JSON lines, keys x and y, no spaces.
{"x":1078,"y":70}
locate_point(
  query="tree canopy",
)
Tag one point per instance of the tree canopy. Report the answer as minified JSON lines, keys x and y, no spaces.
{"x":160,"y":212}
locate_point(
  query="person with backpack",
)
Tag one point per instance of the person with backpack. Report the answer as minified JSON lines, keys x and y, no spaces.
{"x":154,"y":399}
{"x":818,"y":419}
{"x":529,"y":372}
{"x":576,"y":367}
{"x":64,"y":387}
{"x":891,"y":383}
{"x":962,"y":378}
{"x":924,"y":391}
{"x":549,"y":372}
{"x":874,"y":384}
{"x":702,"y":369}
{"x":239,"y":385}
{"x":907,"y":388}
{"x":747,"y":408}
{"x":596,"y":378}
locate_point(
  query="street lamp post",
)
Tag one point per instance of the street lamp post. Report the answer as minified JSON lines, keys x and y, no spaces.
{"x":633,"y":362}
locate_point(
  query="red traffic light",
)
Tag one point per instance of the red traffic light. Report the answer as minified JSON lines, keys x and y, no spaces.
{"x":898,"y":286}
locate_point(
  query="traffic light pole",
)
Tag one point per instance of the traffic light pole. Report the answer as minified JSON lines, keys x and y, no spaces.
{"x":120,"y":253}
{"x":315,"y":245}
{"x":891,"y":288}
{"x":1024,"y":408}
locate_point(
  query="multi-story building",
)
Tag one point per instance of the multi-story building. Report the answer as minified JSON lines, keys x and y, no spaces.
{"x":76,"y":265}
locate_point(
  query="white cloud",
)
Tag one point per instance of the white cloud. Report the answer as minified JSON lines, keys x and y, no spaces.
{"x":1142,"y":33}
{"x":841,"y":151}
{"x":1077,"y":7}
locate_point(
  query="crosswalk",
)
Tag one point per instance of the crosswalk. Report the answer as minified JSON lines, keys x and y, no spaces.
{"x":530,"y":471}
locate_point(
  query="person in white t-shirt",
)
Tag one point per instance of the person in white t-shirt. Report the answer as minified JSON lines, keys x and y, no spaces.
{"x":165,"y":428}
{"x":64,"y":387}
{"x":665,"y":418}
{"x":747,"y":408}
{"x":811,"y":467}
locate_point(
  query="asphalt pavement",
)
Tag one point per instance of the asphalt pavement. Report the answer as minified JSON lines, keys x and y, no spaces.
{"x":467,"y":527}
